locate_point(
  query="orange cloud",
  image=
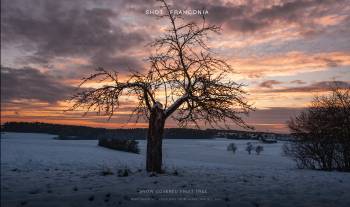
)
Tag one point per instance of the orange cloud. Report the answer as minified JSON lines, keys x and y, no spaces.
{"x":288,"y":64}
{"x":330,"y":20}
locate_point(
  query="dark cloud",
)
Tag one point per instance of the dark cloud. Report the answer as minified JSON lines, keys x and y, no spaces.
{"x":273,"y":118}
{"x":273,"y":115}
{"x":121,"y":62}
{"x":318,"y":86}
{"x":269,"y":83}
{"x":218,"y":11}
{"x":30,"y":83}
{"x":61,"y":29}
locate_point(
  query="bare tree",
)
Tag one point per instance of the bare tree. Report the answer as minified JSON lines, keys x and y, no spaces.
{"x":183,"y":77}
{"x":322,"y":132}
{"x":259,"y":149}
{"x":232,"y":147}
{"x":249,"y":148}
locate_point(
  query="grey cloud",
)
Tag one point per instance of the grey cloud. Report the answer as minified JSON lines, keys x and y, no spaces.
{"x":120,"y":62}
{"x":272,"y":119}
{"x":318,"y":86}
{"x":252,"y":16}
{"x":273,"y":115}
{"x":269,"y":83}
{"x":288,"y":11}
{"x":30,"y":83}
{"x":300,"y":82}
{"x":53,"y":29}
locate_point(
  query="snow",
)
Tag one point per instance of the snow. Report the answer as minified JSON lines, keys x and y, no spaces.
{"x":37,"y":170}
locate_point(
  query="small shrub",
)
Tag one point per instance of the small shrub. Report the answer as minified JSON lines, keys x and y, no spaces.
{"x":123,"y":172}
{"x":106,"y":171}
{"x":232,"y":147}
{"x":121,"y":145}
{"x":249,"y":147}
{"x":259,"y":149}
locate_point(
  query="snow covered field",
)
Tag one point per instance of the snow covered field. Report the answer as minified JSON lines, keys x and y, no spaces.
{"x":37,"y":170}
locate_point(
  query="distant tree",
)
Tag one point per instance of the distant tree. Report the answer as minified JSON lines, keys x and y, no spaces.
{"x":259,"y":149}
{"x":184,"y":76}
{"x":322,"y":133}
{"x":249,"y":148}
{"x":232,"y":147}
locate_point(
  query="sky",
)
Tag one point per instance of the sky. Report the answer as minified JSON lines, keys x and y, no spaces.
{"x":285,"y":51}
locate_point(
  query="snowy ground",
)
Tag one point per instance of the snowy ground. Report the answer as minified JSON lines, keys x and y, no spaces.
{"x":37,"y":170}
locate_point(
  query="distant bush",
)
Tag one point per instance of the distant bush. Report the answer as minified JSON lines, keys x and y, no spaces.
{"x":249,"y":148}
{"x":121,"y":145}
{"x":268,"y":141}
{"x":259,"y":149}
{"x":232,"y":147}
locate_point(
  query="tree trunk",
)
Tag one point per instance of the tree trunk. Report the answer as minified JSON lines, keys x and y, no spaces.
{"x":154,"y":139}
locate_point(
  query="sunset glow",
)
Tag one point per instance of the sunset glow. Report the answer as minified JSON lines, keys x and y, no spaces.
{"x":284,"y":51}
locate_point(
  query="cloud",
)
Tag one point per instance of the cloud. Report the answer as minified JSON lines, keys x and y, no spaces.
{"x":289,"y":11}
{"x":54,"y":29}
{"x":252,"y":16}
{"x":269,"y":83}
{"x":289,"y":63}
{"x":49,"y":44}
{"x":30,"y":83}
{"x":273,"y":115}
{"x":120,"y":63}
{"x":318,"y":86}
{"x":299,"y":82}
{"x":257,"y":15}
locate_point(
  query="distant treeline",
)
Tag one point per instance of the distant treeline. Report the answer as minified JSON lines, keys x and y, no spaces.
{"x":83,"y":132}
